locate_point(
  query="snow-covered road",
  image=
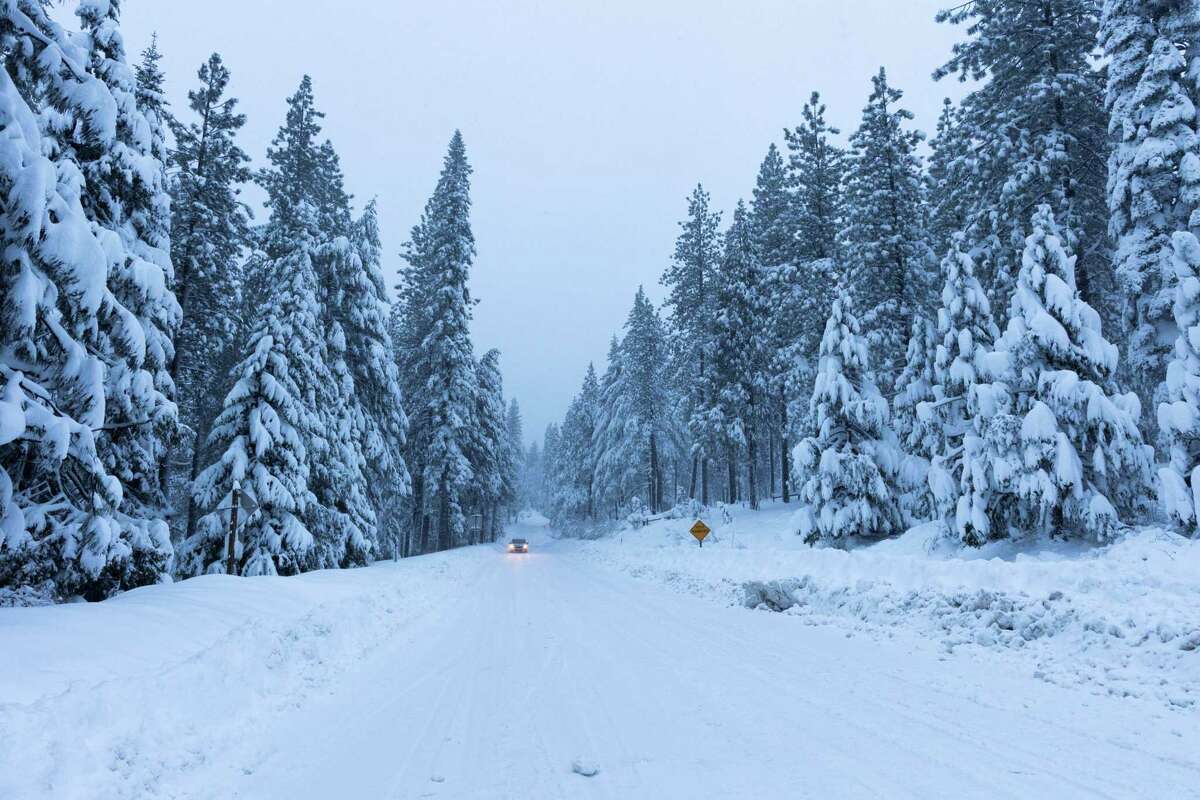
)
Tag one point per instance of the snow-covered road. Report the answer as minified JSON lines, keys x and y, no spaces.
{"x":551,"y":659}
{"x":554,"y":661}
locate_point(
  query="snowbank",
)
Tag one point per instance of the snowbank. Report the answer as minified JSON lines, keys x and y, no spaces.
{"x":98,"y":698}
{"x":1121,"y":619}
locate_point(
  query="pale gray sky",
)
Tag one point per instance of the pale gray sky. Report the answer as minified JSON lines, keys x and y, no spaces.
{"x":588,"y":122}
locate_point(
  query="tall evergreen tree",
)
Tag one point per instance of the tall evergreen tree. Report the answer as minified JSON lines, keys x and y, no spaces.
{"x":889,"y":258}
{"x":738,"y":373}
{"x":689,"y":300}
{"x":1179,"y":413}
{"x":63,"y":526}
{"x":409,"y":323}
{"x":124,"y":194}
{"x":574,"y":496}
{"x":310,"y":210}
{"x":356,"y":299}
{"x":304,"y":172}
{"x":632,"y":421}
{"x":1153,"y":168}
{"x":1036,"y":122}
{"x":489,"y":453}
{"x":448,"y":250}
{"x":949,"y":180}
{"x":1055,"y":449}
{"x":645,"y":357}
{"x":209,"y":237}
{"x":261,"y":436}
{"x":151,"y":99}
{"x":615,"y":472}
{"x":514,"y":425}
{"x":818,"y":168}
{"x":802,"y":290}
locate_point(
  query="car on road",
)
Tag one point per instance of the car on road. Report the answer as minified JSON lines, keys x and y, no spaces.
{"x":518,"y":546}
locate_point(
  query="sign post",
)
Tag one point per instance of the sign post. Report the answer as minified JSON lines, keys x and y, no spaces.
{"x":231,"y":544}
{"x":239,"y":500}
{"x":700,"y":530}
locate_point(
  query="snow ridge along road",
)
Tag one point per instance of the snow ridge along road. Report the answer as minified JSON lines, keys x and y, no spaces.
{"x":490,"y":675}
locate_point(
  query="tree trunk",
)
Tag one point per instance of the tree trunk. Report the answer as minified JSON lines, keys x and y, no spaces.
{"x":692,"y":484}
{"x":785,"y":460}
{"x":751,"y":468}
{"x":732,"y":469}
{"x":704,"y":481}
{"x":771,"y":461}
{"x":658,"y":487}
{"x":443,"y":532}
{"x":193,"y":512}
{"x":652,"y":477}
{"x":418,"y":515}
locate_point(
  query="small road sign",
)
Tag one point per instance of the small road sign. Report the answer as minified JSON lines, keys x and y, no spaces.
{"x":248,"y":505}
{"x":700,"y":530}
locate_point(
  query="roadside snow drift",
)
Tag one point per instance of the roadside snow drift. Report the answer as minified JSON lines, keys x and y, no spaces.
{"x":108,"y":700}
{"x":1120,"y":619}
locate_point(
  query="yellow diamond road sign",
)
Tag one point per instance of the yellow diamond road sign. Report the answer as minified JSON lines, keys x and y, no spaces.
{"x":700,"y":530}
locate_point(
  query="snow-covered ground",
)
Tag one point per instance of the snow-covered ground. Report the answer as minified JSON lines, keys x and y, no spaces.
{"x":1122,"y":619}
{"x":478,"y":674}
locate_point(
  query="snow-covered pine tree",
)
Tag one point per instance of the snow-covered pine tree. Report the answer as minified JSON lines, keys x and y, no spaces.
{"x":260,"y":438}
{"x":62,"y":531}
{"x":516,"y":445}
{"x":356,"y":302}
{"x":1153,"y":166}
{"x":310,"y":210}
{"x":644,"y":354}
{"x":305,"y":171}
{"x":888,"y":257}
{"x":689,"y":283}
{"x":772,"y":219}
{"x":550,"y":448}
{"x":512,"y":455}
{"x":574,"y":494}
{"x":817,"y":169}
{"x":633,"y":421}
{"x":1055,"y":449}
{"x":210,"y":233}
{"x":615,"y":461}
{"x":917,"y":439}
{"x":803,"y":288}
{"x":845,"y":470}
{"x":915,"y":386}
{"x":1036,"y":120}
{"x":738,"y":374}
{"x":489,"y":452}
{"x":1179,"y":414}
{"x":152,"y":101}
{"x":448,"y":252}
{"x":772,"y":215}
{"x":409,"y":322}
{"x":948,"y":179}
{"x":967,"y":333}
{"x":125,"y":195}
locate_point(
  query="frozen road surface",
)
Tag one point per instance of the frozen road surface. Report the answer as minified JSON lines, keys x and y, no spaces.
{"x":547,"y":667}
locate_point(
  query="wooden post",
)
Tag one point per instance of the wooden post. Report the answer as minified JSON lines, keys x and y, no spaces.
{"x":231,"y":543}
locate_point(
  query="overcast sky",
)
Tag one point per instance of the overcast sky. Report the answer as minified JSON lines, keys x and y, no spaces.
{"x":588,"y":122}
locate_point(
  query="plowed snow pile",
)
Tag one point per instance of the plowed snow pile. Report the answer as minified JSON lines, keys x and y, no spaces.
{"x":115,"y":699}
{"x":1122,"y":619}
